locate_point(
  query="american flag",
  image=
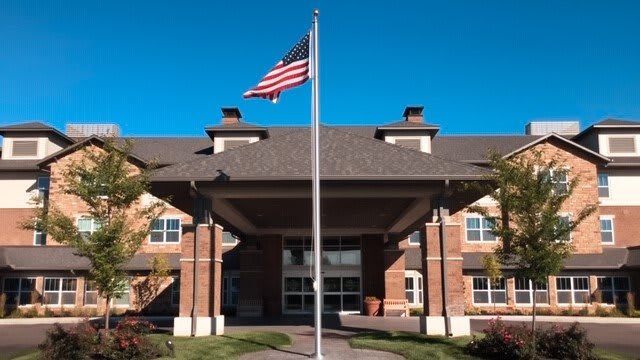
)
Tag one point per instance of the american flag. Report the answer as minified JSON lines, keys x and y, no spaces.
{"x":291,"y":71}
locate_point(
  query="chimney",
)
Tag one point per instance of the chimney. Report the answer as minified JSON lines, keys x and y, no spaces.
{"x":414,"y":114}
{"x":230,"y":115}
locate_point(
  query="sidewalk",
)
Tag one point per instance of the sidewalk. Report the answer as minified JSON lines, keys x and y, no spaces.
{"x":561,"y":319}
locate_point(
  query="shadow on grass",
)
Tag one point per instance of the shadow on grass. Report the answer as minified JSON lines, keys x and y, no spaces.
{"x":272,"y":347}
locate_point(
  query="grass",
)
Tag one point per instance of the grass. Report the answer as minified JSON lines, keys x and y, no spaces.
{"x":415,"y":346}
{"x":213,"y":347}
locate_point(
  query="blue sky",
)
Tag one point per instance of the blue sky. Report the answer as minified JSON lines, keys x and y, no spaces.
{"x":166,"y":67}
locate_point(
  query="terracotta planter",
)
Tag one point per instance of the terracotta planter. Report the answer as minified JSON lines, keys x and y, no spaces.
{"x":372,"y":307}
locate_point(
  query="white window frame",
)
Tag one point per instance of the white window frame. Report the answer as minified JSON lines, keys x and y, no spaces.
{"x":126,"y":291}
{"x":228,"y":243}
{"x":607,"y":186}
{"x":175,"y":280}
{"x":86,"y":284}
{"x":37,"y":232}
{"x":573,"y":290}
{"x":415,"y":234}
{"x":164,"y":231}
{"x":19,"y":288}
{"x":417,"y":293}
{"x":613,"y":287}
{"x":94,"y":224}
{"x":609,"y":218}
{"x":482,"y":229}
{"x":530,"y":292}
{"x":489,"y":290}
{"x":60,"y":292}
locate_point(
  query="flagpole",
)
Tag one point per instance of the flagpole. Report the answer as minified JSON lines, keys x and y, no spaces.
{"x":315,"y":181}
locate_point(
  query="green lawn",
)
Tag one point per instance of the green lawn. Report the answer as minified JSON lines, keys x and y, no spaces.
{"x":214,"y":347}
{"x":417,"y":347}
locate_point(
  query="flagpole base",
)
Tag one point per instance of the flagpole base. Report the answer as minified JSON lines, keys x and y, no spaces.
{"x":315,"y":356}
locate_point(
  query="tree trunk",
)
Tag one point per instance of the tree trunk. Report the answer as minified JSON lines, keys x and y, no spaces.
{"x":107,"y":313}
{"x":533,"y":322}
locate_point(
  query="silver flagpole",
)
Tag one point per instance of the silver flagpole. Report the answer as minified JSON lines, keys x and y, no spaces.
{"x":315,"y":181}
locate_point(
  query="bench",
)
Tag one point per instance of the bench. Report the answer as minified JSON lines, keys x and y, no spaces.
{"x":395,"y":307}
{"x":249,"y":308}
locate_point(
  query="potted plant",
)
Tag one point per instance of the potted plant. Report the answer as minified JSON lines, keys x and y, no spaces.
{"x":372,"y":305}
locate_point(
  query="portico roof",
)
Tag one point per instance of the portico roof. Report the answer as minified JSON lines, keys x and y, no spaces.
{"x":344,"y":156}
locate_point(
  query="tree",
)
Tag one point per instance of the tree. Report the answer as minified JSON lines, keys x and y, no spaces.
{"x":148,"y":289}
{"x":111,"y":188}
{"x":530,"y":192}
{"x":493,"y":270}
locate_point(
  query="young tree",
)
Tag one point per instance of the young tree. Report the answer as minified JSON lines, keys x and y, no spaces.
{"x":530,"y":198}
{"x":493,"y":270}
{"x":111,"y":188}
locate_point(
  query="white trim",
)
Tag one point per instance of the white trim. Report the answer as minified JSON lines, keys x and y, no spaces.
{"x":409,"y":239}
{"x":418,"y":287}
{"x":611,"y":218}
{"x":572,"y":291}
{"x":60,"y":292}
{"x":164,"y":231}
{"x":558,"y":137}
{"x":530,"y":291}
{"x":481,"y":229}
{"x":489,"y":291}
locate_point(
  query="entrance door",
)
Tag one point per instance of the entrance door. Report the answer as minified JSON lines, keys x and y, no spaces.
{"x":341,"y":291}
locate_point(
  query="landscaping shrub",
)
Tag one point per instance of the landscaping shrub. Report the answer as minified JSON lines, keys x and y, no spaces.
{"x":416,"y":311}
{"x":501,"y":341}
{"x":3,"y":304}
{"x":128,"y":341}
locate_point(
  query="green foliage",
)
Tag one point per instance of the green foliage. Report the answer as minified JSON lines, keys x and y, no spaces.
{"x":532,"y":230}
{"x":3,"y":304}
{"x":111,"y":189}
{"x":75,"y":344}
{"x":148,"y":289}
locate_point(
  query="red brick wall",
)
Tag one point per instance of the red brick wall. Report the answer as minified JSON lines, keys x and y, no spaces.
{"x":372,"y":271}
{"x":10,"y":231}
{"x":626,"y":224}
{"x":271,"y":286}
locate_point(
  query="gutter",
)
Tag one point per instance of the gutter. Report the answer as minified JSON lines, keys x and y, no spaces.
{"x":308,"y":178}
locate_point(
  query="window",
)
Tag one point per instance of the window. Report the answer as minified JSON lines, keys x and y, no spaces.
{"x":175,"y":291}
{"x":524,"y":292}
{"x":39,"y":238}
{"x":336,"y":250}
{"x":60,"y":291}
{"x":606,"y":230}
{"x":25,"y":148}
{"x":90,"y":293}
{"x":565,"y":221}
{"x":228,"y":238}
{"x":18,"y":290}
{"x":87,"y":226}
{"x":622,"y":145}
{"x":123,"y":299}
{"x":341,"y":294}
{"x":230,"y":289}
{"x":409,"y":143}
{"x":603,"y":185}
{"x":413,"y":287}
{"x":230,"y":144}
{"x":43,"y":184}
{"x":298,"y":294}
{"x":414,"y":238}
{"x":614,"y":289}
{"x":572,"y":289}
{"x":479,"y":229}
{"x":486,"y":293}
{"x":165,"y":231}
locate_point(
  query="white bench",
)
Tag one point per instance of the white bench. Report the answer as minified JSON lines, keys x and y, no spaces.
{"x":395,"y":306}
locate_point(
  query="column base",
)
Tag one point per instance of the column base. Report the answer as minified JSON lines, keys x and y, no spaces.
{"x":434,"y":325}
{"x":205,"y":326}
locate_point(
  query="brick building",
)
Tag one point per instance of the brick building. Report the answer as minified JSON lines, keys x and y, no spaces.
{"x":390,"y":207}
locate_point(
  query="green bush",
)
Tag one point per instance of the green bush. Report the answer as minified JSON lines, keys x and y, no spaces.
{"x":75,"y":344}
{"x":416,"y":311}
{"x":514,"y":342}
{"x":3,"y":304}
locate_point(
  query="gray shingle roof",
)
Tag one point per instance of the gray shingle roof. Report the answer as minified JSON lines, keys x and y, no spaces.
{"x":634,"y":257}
{"x":171,"y":150}
{"x":475,"y":148}
{"x":19,"y":165}
{"x":610,"y":258}
{"x":63,"y":258}
{"x":33,"y":125}
{"x":344,"y":155}
{"x":617,"y":122}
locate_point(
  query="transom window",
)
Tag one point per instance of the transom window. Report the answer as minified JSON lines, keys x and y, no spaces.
{"x":60,"y":291}
{"x":573,"y":289}
{"x":486,"y":293}
{"x":413,"y":287}
{"x":479,"y":229}
{"x":524,"y":292}
{"x":165,"y":231}
{"x":87,"y":226}
{"x":606,"y":230}
{"x":414,"y":238}
{"x":336,"y":250}
{"x":603,"y":185}
{"x":614,"y":289}
{"x":18,"y":290}
{"x":90,"y":293}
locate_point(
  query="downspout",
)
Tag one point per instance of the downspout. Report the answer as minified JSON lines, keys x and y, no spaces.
{"x":193,"y":191}
{"x":443,"y":256}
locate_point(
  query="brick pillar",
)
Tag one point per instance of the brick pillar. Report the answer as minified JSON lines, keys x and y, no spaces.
{"x":372,"y":273}
{"x":251,"y":272}
{"x":434,"y":322}
{"x":209,"y":281}
{"x":271,"y":246}
{"x":394,"y":268}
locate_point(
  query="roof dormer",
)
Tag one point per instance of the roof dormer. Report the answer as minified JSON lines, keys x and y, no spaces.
{"x":31,"y":141}
{"x":234,"y":132}
{"x":412,"y":132}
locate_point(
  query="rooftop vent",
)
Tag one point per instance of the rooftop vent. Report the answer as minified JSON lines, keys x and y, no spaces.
{"x":414,"y":114}
{"x":231,"y":115}
{"x":558,"y":127}
{"x":86,"y":130}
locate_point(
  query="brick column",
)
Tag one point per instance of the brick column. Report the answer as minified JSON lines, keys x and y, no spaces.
{"x":373,"y":275}
{"x":209,"y":282}
{"x":251,"y":273}
{"x":432,"y":262}
{"x":394,"y":268}
{"x":271,"y":246}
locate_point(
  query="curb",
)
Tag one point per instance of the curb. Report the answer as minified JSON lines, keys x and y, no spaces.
{"x":561,"y":319}
{"x":73,"y":320}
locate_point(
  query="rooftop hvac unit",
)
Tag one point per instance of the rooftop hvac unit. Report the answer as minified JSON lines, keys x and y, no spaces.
{"x":86,"y":130}
{"x":558,"y":127}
